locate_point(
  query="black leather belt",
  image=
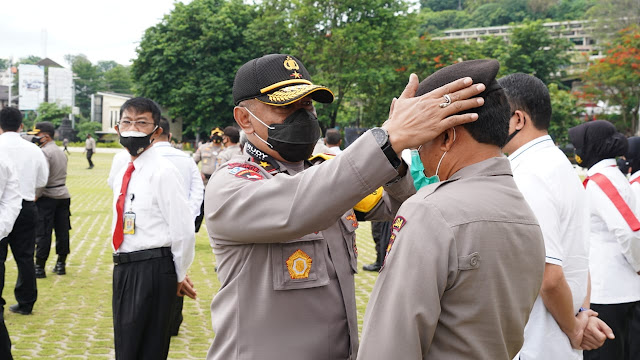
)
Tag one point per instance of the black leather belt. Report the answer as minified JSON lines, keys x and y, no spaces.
{"x":123,"y":258}
{"x":54,"y":186}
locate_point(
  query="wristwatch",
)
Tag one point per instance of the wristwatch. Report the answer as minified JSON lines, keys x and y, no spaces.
{"x":382,"y":138}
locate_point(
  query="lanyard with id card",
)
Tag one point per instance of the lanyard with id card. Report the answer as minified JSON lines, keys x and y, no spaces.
{"x":129,"y":223}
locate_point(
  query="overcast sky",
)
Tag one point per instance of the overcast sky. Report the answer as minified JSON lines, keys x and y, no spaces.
{"x":102,"y":30}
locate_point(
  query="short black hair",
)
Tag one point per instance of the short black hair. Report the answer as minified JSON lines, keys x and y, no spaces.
{"x":232,"y":133}
{"x":332,"y":136}
{"x":164,"y":125}
{"x":10,"y":119}
{"x":142,"y":105}
{"x":492,"y":126}
{"x":529,"y":94}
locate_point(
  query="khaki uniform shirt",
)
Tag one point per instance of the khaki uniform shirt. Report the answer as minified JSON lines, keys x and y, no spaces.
{"x":286,"y":253}
{"x":462,"y":272}
{"x":56,"y":185}
{"x":229,"y":152}
{"x":208,"y":154}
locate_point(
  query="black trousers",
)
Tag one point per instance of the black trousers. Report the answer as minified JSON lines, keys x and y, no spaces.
{"x":22,"y":242}
{"x":144,"y":295}
{"x":624,"y":320}
{"x":89,"y":155}
{"x":5,"y":341}
{"x":381,"y":231}
{"x":54,"y":215}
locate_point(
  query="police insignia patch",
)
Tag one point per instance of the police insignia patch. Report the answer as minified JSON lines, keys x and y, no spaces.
{"x":246,"y":173}
{"x":398,"y":223}
{"x":299,"y":265}
{"x":234,"y":166}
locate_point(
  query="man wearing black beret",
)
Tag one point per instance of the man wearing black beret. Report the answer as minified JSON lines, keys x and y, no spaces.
{"x":466,"y":254}
{"x":284,"y":233}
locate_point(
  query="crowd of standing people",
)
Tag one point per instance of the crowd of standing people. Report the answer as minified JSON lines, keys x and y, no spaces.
{"x":480,"y":255}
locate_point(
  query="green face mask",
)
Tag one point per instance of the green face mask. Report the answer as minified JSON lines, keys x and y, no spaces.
{"x":416,"y":169}
{"x":417,"y":172}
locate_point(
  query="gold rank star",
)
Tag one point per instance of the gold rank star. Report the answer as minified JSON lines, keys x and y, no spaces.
{"x":264,"y":164}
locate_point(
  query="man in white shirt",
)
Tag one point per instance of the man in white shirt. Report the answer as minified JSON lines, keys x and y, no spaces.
{"x":28,"y":161}
{"x":333,"y":139}
{"x":153,"y":233}
{"x":552,"y":188}
{"x":614,"y":239}
{"x":10,"y":205}
{"x":193,"y":190}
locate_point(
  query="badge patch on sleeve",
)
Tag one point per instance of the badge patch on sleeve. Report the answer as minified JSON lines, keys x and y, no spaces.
{"x":241,"y":172}
{"x":239,"y":166}
{"x":299,"y":265}
{"x":398,"y":223}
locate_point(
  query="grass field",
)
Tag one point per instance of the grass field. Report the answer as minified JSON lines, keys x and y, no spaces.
{"x":72,"y":317}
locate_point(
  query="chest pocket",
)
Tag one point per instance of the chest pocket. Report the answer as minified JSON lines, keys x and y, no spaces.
{"x":349,"y":224}
{"x":300,"y":264}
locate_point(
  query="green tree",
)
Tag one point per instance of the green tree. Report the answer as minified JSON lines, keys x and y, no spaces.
{"x":565,"y":114}
{"x":612,"y":16}
{"x":348,"y":43}
{"x":88,"y":127}
{"x":531,"y":50}
{"x":118,"y":79}
{"x":435,"y":22}
{"x":188,"y":61}
{"x":52,"y":112}
{"x":439,"y":5}
{"x":88,"y":81}
{"x":615,"y":78}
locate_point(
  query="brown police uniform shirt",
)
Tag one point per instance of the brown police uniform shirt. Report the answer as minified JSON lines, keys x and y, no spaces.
{"x":208,"y":154}
{"x":56,"y":184}
{"x":286,"y":253}
{"x":462,"y":272}
{"x":229,"y":152}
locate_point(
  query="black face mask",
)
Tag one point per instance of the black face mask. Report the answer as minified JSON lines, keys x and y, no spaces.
{"x":37,"y":140}
{"x":135,"y":141}
{"x":296,"y":137}
{"x":216,"y":139}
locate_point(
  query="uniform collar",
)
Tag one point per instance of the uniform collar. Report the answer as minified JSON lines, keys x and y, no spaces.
{"x":532,"y":146}
{"x":597,"y":167}
{"x":495,"y":166}
{"x":162,"y":144}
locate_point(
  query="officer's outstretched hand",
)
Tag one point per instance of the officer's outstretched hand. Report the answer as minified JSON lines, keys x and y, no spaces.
{"x":185,"y":288}
{"x":414,"y":121}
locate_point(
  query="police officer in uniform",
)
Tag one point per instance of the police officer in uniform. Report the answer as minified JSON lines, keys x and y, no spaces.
{"x":208,"y":154}
{"x":283,"y":232}
{"x":53,"y":205}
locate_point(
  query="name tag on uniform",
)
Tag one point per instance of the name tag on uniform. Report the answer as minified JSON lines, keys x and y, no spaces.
{"x":129,"y":223}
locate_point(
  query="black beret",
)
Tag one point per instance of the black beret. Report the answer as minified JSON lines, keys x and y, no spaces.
{"x":45,"y":127}
{"x":480,"y":71}
{"x":276,"y":79}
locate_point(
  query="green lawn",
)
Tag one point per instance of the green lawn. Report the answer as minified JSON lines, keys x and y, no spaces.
{"x":72,"y":317}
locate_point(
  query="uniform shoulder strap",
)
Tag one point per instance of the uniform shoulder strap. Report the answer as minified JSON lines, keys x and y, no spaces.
{"x":607,"y":187}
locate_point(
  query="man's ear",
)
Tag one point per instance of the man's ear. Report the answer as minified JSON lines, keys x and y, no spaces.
{"x":520,"y":119}
{"x":241,"y":115}
{"x":447,"y":138}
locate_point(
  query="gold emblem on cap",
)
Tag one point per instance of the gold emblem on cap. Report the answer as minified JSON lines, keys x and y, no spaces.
{"x":291,"y":64}
{"x":299,"y":265}
{"x":289,"y":93}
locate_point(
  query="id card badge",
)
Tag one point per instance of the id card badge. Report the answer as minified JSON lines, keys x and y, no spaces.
{"x":129,"y":223}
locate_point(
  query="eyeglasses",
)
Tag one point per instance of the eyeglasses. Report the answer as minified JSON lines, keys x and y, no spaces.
{"x":126,"y":124}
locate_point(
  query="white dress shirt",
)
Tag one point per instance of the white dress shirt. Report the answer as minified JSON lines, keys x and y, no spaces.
{"x":10,"y":199}
{"x":163,"y":217}
{"x":635,"y":188}
{"x":335,"y":150}
{"x":119,"y":161}
{"x":28,"y":161}
{"x":553,"y":189}
{"x":192,"y":180}
{"x":614,"y":248}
